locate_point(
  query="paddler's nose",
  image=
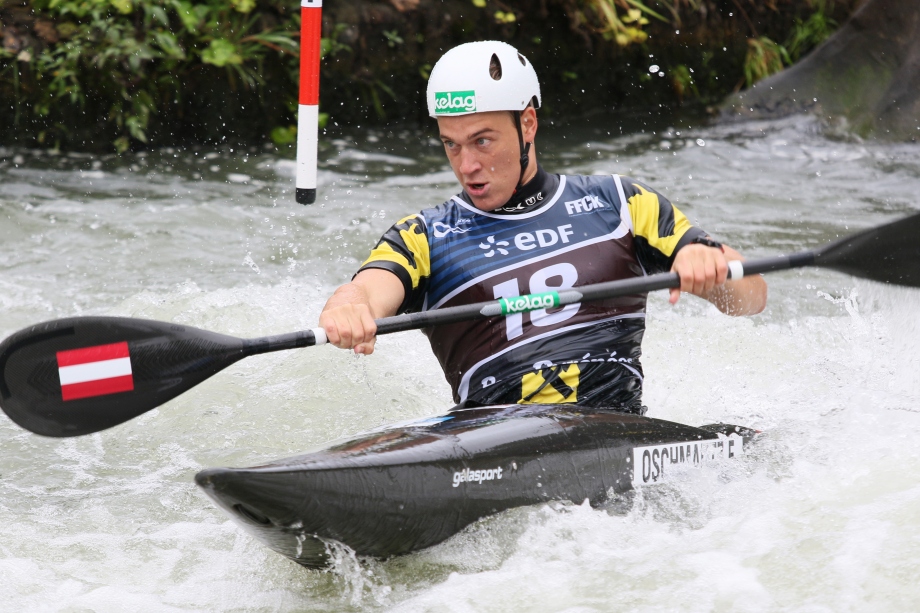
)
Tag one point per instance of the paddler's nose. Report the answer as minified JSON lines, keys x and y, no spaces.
{"x":468,"y":162}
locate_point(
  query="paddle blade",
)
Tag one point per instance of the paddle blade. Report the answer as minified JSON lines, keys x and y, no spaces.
{"x":84,"y":374}
{"x":889,"y":253}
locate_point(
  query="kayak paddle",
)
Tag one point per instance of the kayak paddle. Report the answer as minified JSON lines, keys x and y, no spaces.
{"x":80,"y":375}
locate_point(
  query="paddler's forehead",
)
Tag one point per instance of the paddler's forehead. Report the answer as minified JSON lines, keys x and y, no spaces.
{"x":462,"y":128}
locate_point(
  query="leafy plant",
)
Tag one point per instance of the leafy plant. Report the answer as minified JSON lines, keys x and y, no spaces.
{"x":810,"y":33}
{"x":135,"y":58}
{"x":764,"y":58}
{"x":284,"y":135}
{"x":393,"y":38}
{"x":331,"y":46}
{"x":624,"y":25}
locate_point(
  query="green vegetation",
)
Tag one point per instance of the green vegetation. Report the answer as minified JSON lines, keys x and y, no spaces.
{"x":622,"y":20}
{"x":766,"y":57}
{"x":120,"y":63}
{"x":811,"y":32}
{"x":103,"y":74}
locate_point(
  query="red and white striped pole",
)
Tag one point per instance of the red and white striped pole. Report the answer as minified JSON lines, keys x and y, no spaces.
{"x":311,"y":31}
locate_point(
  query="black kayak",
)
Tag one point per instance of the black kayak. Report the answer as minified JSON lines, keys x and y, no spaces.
{"x":405,"y":487}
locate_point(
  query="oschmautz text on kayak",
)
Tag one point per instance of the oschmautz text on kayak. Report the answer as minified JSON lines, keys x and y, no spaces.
{"x":476,"y":476}
{"x":649,"y":462}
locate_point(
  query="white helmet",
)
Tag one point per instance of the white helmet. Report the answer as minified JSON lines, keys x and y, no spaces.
{"x":462,"y":83}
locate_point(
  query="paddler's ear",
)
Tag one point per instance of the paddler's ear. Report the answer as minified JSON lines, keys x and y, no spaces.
{"x":529,"y":124}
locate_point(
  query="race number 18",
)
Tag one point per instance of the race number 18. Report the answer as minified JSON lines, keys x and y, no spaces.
{"x":539,"y":283}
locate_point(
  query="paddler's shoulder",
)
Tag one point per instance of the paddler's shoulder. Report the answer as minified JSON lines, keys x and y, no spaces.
{"x":603,"y":181}
{"x":605,"y":186}
{"x":624,"y":186}
{"x":448,"y":217}
{"x":635,"y":187}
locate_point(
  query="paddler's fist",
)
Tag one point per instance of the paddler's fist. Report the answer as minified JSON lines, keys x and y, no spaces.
{"x":700,"y":268}
{"x":350,"y":326}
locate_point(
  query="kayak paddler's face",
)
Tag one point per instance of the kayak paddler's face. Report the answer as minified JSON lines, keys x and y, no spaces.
{"x":484,"y":153}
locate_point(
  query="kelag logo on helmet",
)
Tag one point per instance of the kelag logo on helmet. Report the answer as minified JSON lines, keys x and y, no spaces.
{"x":455,"y":102}
{"x":462,"y":81}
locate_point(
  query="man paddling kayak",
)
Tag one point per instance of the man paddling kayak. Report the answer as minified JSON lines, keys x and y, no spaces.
{"x":515,"y":229}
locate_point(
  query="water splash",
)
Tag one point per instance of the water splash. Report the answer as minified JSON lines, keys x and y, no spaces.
{"x":851,"y":304}
{"x":362,"y":579}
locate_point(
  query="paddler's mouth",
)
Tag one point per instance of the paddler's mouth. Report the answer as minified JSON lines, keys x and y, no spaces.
{"x":477,"y":190}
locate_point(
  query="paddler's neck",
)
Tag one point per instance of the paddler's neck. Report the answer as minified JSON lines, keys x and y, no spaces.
{"x":534,"y":192}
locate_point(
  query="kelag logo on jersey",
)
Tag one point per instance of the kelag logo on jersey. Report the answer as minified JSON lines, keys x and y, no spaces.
{"x":584,"y":205}
{"x":454,"y":102}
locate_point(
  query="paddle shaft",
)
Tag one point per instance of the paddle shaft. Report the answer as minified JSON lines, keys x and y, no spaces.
{"x":283,"y":342}
{"x":588,"y":293}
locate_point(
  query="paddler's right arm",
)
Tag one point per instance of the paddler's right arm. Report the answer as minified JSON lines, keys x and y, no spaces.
{"x":349,"y":314}
{"x":391,"y":280}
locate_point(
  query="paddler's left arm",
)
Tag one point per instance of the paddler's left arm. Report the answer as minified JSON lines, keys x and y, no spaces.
{"x":703,"y":271}
{"x":666,"y":240}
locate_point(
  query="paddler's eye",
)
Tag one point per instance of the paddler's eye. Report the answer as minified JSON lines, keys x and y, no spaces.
{"x":482,"y":142}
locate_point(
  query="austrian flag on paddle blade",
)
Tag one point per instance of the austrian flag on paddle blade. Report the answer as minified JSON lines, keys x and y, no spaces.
{"x":95,"y":371}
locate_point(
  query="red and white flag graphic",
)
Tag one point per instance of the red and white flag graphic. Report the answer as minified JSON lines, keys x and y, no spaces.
{"x":95,"y":371}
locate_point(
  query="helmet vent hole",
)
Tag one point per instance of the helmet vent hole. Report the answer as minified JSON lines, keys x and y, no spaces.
{"x":495,"y":68}
{"x":523,"y":61}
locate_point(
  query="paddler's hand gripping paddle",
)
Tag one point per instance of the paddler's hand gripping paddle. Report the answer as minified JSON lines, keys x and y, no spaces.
{"x":84,"y":374}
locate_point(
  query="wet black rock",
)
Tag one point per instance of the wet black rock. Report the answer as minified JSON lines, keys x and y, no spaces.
{"x":866,"y":77}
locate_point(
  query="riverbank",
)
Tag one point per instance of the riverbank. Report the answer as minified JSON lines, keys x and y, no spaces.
{"x":103,"y":75}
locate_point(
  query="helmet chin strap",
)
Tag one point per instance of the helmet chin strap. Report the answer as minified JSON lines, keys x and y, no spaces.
{"x":525,"y":149}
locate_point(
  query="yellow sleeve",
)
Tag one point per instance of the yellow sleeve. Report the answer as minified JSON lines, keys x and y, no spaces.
{"x":659,"y":228}
{"x":403,"y":250}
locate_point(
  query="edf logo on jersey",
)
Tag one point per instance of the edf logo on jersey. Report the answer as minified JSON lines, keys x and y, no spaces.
{"x":584,"y":205}
{"x":525,"y":241}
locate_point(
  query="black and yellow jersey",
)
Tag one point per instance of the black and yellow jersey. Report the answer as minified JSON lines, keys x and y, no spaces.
{"x":577,"y":230}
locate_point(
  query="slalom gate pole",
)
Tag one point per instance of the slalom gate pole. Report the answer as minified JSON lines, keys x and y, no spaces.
{"x":311,"y":31}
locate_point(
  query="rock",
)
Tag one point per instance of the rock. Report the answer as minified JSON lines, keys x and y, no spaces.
{"x":867,"y":75}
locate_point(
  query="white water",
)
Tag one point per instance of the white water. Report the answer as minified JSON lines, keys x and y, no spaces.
{"x":824,"y":515}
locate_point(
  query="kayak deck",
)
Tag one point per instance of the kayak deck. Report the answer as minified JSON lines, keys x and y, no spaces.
{"x":409,"y":486}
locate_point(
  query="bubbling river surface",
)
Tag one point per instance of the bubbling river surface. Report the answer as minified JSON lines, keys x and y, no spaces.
{"x":822,"y":515}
